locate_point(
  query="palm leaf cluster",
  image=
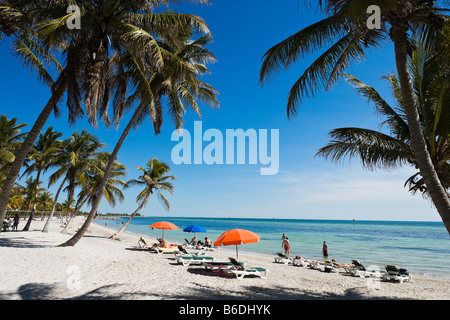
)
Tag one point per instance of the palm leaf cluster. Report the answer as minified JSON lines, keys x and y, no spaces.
{"x":343,"y":38}
{"x":11,"y":136}
{"x":105,"y":61}
{"x":376,"y":149}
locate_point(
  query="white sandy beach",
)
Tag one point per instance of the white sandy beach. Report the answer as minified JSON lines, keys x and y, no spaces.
{"x":33,"y":267}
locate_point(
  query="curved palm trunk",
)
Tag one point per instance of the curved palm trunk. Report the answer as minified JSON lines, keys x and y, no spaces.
{"x":33,"y":209}
{"x":115,"y":235}
{"x":427,"y":170}
{"x":77,"y":208}
{"x":26,"y":147}
{"x":45,"y":229}
{"x":74,"y":240}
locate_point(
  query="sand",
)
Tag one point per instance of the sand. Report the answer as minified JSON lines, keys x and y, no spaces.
{"x":33,"y":267}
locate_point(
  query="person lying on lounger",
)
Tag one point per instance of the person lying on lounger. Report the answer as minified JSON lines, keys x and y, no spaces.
{"x":350,"y":265}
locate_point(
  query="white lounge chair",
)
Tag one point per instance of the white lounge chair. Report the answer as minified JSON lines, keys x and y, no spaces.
{"x":184,"y":252}
{"x":282,"y":258}
{"x":241,"y":271}
{"x":316,"y":265}
{"x":394,"y":273}
{"x":300,"y":262}
{"x":330,"y":267}
{"x":219,"y":266}
{"x":363,"y":272}
{"x":188,"y":260}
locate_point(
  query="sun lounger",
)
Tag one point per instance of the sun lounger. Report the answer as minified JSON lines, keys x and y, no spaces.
{"x":143,"y":244}
{"x":241,"y":271}
{"x":219,"y":266}
{"x":206,"y":248}
{"x":394,"y":273}
{"x":300,"y":262}
{"x":183,"y":251}
{"x":161,"y":250}
{"x":188,"y":244}
{"x":360,"y":271}
{"x":188,"y":260}
{"x":330,"y":267}
{"x":316,"y":265}
{"x":282,"y":258}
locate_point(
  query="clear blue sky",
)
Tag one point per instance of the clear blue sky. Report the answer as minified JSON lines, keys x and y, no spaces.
{"x":305,"y":187}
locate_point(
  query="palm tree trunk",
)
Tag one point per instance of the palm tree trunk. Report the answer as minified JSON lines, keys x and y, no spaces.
{"x":427,"y":170}
{"x":33,"y":209}
{"x":74,"y":240}
{"x":45,"y":229}
{"x":26,"y":147}
{"x":115,"y":235}
{"x":77,"y":208}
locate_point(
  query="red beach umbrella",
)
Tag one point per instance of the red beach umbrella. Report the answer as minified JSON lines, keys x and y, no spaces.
{"x":164,"y":225}
{"x":236,"y":237}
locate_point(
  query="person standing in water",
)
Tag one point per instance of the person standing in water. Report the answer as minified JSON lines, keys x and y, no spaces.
{"x":325,"y":251}
{"x":286,"y":245}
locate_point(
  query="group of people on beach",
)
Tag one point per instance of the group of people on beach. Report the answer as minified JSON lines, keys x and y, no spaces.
{"x":11,"y":223}
{"x":287,"y":247}
{"x":196,"y":242}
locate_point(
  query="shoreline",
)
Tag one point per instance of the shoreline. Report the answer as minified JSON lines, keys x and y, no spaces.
{"x":379,"y":263}
{"x":100,"y":268}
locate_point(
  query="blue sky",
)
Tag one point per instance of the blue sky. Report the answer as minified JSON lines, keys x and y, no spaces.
{"x":305,"y":187}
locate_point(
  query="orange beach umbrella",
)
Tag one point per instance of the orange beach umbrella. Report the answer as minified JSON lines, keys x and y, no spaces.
{"x":236,"y":237}
{"x":164,"y":225}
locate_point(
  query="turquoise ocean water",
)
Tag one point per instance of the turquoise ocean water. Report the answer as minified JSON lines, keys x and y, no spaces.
{"x":421,"y":247}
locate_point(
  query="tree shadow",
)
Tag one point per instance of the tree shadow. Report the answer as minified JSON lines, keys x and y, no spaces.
{"x":43,"y":291}
{"x":22,"y":242}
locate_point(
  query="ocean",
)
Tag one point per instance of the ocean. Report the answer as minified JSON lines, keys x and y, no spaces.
{"x":420,"y":247}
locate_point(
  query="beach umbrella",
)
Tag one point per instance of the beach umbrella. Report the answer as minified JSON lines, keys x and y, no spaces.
{"x":236,"y":237}
{"x":164,"y":225}
{"x":194,"y":229}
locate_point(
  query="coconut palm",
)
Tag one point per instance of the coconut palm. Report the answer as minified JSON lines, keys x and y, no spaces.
{"x":17,"y":200}
{"x":10,"y":19}
{"x":17,"y":20}
{"x":178,"y":80}
{"x":94,"y":72}
{"x":346,"y":38}
{"x":93,"y":178}
{"x":44,"y":201}
{"x":154,"y":178}
{"x":43,"y":154}
{"x":78,"y":155}
{"x":29,"y":192}
{"x":10,"y":141}
{"x":380,"y":150}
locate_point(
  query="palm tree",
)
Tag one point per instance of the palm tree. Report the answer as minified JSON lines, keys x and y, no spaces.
{"x":78,"y":155}
{"x":17,"y":20}
{"x":177,"y":79}
{"x":344,"y":31}
{"x":44,"y":201}
{"x":154,"y":178}
{"x":10,"y":141}
{"x":44,"y":155}
{"x":29,"y":191}
{"x":379,"y":150}
{"x":93,"y":178}
{"x":17,"y":200}
{"x":94,"y":72}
